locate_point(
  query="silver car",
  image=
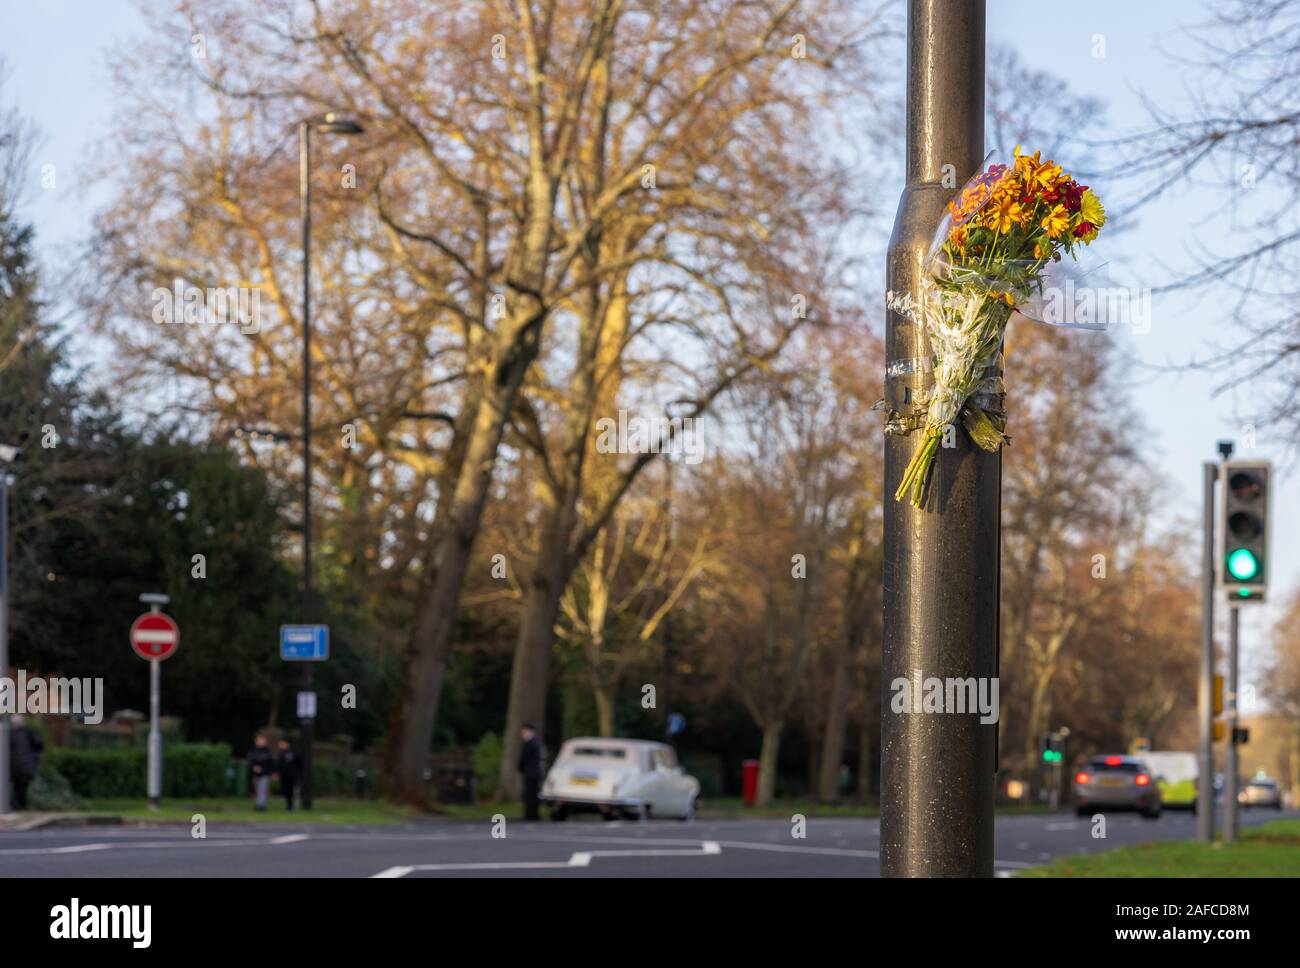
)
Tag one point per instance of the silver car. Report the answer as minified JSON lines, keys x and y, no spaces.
{"x":1261,"y":792}
{"x":1116,"y":783}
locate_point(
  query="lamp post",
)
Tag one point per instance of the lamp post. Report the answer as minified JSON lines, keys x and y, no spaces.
{"x":941,"y":565}
{"x":7,"y":456}
{"x":328,"y":124}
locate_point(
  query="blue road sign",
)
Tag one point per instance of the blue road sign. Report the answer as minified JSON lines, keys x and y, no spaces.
{"x":676,"y":723}
{"x":304,"y":643}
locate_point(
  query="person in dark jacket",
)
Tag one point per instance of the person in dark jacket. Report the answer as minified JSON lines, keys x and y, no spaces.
{"x":261,"y":764}
{"x":25,"y":748}
{"x":290,"y":768}
{"x":530,"y":765}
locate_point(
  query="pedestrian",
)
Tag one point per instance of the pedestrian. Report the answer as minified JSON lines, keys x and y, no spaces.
{"x":261,"y":765}
{"x":290,"y":768}
{"x":530,"y":765}
{"x":25,"y":748}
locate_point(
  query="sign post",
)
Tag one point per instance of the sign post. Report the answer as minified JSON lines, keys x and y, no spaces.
{"x":306,"y":643}
{"x":155,"y":637}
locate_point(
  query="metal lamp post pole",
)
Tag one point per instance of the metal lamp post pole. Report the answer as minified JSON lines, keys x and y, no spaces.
{"x":941,"y":563}
{"x":331,"y":124}
{"x":304,"y":194}
{"x":5,"y":805}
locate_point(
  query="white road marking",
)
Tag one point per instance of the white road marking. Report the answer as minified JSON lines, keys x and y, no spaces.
{"x":794,"y":849}
{"x":580,"y":858}
{"x":156,"y":844}
{"x":1063,"y":825}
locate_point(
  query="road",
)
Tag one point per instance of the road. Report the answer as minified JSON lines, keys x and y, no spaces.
{"x":833,"y":847}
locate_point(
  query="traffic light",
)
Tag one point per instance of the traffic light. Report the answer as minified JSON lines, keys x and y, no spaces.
{"x":1053,"y":748}
{"x":1218,"y":695}
{"x":1242,"y":566}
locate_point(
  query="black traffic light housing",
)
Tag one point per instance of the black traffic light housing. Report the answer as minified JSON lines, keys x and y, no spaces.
{"x":1053,"y":748}
{"x":1242,"y":562}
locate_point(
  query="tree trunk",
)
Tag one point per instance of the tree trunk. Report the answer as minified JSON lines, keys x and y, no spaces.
{"x":1036,"y":721}
{"x":530,"y":673}
{"x":1295,"y":769}
{"x":605,"y":709}
{"x":435,"y":620}
{"x":833,"y":740}
{"x":767,"y":762}
{"x":864,"y":759}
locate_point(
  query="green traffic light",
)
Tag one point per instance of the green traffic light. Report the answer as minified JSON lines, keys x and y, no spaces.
{"x":1242,"y":565}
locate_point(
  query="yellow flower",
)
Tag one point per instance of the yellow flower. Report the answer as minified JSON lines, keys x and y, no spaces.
{"x":1056,"y":222}
{"x":1038,"y":251}
{"x":1003,"y":214}
{"x":1027,"y":163}
{"x":1049,"y":175}
{"x":1091,"y":210}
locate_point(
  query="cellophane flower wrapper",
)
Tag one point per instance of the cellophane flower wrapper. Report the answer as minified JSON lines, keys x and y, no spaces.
{"x":990,"y":255}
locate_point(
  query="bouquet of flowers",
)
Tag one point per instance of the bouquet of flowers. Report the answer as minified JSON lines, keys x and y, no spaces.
{"x":1006,"y":226}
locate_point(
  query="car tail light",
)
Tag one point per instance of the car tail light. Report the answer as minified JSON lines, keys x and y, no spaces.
{"x":1113,"y":761}
{"x":1143,"y":779}
{"x":1081,"y":777}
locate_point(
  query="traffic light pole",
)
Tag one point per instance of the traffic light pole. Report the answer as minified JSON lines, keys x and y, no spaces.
{"x":1230,"y":711}
{"x":941,"y":563}
{"x":1205,"y":703}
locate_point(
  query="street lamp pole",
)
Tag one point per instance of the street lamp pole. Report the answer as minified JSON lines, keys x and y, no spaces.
{"x":330,"y":124}
{"x":304,"y":200}
{"x":941,"y":563}
{"x":5,"y":805}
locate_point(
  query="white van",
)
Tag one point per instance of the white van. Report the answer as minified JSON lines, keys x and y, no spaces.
{"x":1176,"y":773}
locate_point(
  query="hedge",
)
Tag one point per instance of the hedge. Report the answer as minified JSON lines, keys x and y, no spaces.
{"x":189,"y":770}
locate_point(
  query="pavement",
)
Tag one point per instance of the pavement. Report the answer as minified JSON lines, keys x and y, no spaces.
{"x":832,"y":847}
{"x":32,"y":819}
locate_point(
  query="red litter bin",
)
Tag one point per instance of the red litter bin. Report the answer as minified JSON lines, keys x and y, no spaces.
{"x":750,"y":768}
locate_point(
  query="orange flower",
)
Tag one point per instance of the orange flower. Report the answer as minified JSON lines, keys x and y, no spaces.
{"x":1056,"y":222}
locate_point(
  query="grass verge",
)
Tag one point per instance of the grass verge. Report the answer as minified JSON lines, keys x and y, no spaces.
{"x":1270,"y":850}
{"x":335,"y":810}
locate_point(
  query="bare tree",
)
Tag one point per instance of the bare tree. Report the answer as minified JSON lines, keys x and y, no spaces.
{"x":1238,"y":137}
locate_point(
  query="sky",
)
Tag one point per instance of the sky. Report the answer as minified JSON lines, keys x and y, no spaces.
{"x":55,"y":57}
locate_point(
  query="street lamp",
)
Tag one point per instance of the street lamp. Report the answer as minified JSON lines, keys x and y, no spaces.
{"x":8,"y":455}
{"x":328,"y":124}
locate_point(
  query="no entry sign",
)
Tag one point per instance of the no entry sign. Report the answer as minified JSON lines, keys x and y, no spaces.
{"x":155,"y":636}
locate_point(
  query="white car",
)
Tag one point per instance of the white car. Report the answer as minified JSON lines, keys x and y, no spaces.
{"x":619,"y":777}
